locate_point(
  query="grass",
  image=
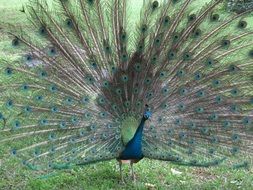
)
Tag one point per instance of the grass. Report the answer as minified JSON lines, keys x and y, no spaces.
{"x":151,"y":174}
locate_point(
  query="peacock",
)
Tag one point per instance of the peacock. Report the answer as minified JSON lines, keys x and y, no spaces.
{"x":90,"y":84}
{"x":239,"y":6}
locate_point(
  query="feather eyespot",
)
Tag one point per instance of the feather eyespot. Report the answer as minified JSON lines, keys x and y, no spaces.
{"x":175,"y":37}
{"x":154,"y":59}
{"x":225,"y":43}
{"x":9,"y":103}
{"x":251,"y":53}
{"x":106,"y":84}
{"x":9,"y":71}
{"x":25,"y":87}
{"x":175,"y":1}
{"x":180,"y":73}
{"x":124,"y":78}
{"x":28,"y":57}
{"x":90,"y":2}
{"x":187,"y":56}
{"x":171,"y":55}
{"x":242,"y":24}
{"x":124,"y":57}
{"x":42,"y":30}
{"x":14,"y":152}
{"x":144,"y":28}
{"x":191,"y":17}
{"x":214,"y":17}
{"x":69,"y":23}
{"x":155,"y":4}
{"x":16,"y":124}
{"x":166,"y":20}
{"x":15,"y":42}
{"x":197,"y":76}
{"x":197,"y":33}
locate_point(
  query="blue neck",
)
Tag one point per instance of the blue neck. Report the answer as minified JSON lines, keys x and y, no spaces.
{"x":140,"y":128}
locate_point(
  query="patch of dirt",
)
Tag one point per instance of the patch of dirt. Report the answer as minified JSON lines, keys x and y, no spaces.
{"x":203,"y":174}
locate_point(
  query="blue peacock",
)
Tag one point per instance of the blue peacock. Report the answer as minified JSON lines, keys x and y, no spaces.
{"x":90,"y":85}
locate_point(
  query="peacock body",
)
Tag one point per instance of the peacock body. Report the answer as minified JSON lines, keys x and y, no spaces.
{"x":133,"y":148}
{"x":77,"y":94}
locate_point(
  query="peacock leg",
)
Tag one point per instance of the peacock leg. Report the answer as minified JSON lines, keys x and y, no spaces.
{"x":132,"y":170}
{"x":120,"y":168}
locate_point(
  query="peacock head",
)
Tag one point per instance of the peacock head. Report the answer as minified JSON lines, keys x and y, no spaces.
{"x":147,"y":114}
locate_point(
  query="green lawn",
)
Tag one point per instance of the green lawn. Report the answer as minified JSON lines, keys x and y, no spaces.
{"x":151,"y":174}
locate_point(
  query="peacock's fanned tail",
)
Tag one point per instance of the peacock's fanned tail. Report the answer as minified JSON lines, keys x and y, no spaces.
{"x":78,"y":91}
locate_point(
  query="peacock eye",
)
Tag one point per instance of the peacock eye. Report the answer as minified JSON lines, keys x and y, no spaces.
{"x":155,"y":4}
{"x":28,"y":58}
{"x":8,"y":71}
{"x":215,"y":17}
{"x":15,"y":42}
{"x":166,"y":19}
{"x":225,"y":43}
{"x":196,"y":33}
{"x":42,"y":30}
{"x":144,"y":28}
{"x":52,"y":50}
{"x":124,"y":57}
{"x":191,"y":17}
{"x":176,"y":37}
{"x":69,"y":23}
{"x":251,"y":53}
{"x":14,"y":152}
{"x":242,"y":24}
